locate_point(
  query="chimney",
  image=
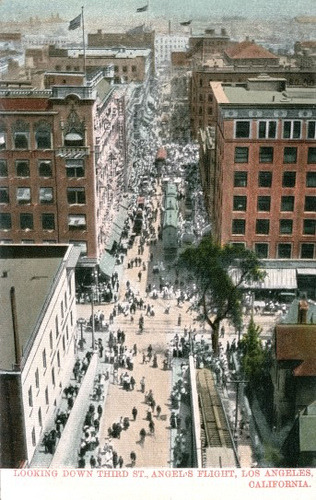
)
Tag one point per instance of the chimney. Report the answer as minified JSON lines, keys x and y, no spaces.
{"x":302,"y":311}
{"x":17,"y":347}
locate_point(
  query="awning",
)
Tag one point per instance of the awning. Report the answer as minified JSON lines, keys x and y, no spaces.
{"x":306,"y":271}
{"x":72,"y":136}
{"x":107,"y":264}
{"x":275,"y":279}
{"x":76,"y":220}
{"x":120,"y":218}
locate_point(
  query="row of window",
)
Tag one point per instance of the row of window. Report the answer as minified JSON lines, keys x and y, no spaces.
{"x":74,"y":168}
{"x":266,"y":154}
{"x":263,"y":226}
{"x":47,"y":221}
{"x":43,"y":139}
{"x":264,"y":203}
{"x":265,"y":179}
{"x":268,"y":129}
{"x":284,"y":250}
{"x":75,"y":196}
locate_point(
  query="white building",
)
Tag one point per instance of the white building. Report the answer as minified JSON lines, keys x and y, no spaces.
{"x":166,"y":44}
{"x":37,"y":342}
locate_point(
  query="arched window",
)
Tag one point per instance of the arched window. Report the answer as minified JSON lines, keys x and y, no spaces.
{"x":43,"y":136}
{"x":73,"y":138}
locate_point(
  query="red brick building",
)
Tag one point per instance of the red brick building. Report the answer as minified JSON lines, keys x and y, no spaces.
{"x":62,"y":163}
{"x":264,"y":173}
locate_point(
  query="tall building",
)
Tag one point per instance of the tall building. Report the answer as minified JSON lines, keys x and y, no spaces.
{"x":62,"y":162}
{"x":166,"y":44}
{"x":38,"y":342}
{"x":236,"y":64}
{"x":264,"y":173}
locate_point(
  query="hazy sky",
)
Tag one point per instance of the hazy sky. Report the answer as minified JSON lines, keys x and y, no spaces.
{"x":20,"y":9}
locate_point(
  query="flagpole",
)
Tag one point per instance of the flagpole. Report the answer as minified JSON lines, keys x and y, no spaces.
{"x":84,"y":44}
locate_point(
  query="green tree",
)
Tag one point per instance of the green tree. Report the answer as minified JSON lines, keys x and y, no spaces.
{"x":253,"y":354}
{"x":219,"y":274}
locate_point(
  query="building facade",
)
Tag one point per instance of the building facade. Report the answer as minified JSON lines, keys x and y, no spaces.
{"x":38,"y":342}
{"x":265,"y":168}
{"x":62,"y":163}
{"x":166,"y":44}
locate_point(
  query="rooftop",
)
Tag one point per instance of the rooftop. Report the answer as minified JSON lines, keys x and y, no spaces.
{"x":31,"y":270}
{"x":248,"y":50}
{"x":243,"y":95}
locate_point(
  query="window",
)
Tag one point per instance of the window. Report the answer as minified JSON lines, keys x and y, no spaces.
{"x":46,"y":396}
{"x":286,"y":226}
{"x":40,"y":423}
{"x":307,"y":251}
{"x":262,"y":226}
{"x":311,"y":156}
{"x":267,"y":129}
{"x":242,"y":129}
{"x":51,"y":339}
{"x":311,"y":130}
{"x":264,"y":203}
{"x":3,"y":168}
{"x":30,"y":396}
{"x":5,"y":221}
{"x":3,"y":139}
{"x":23,"y":196}
{"x":80,"y":244}
{"x":240,"y":179}
{"x":53,"y":377}
{"x":238,"y":226}
{"x":36,"y":379}
{"x":33,"y":437}
{"x":116,"y":68}
{"x":76,"y":196}
{"x":75,"y":168}
{"x":48,"y":222}
{"x":74,"y":139}
{"x":4,"y":195}
{"x":46,"y":195}
{"x":21,"y":140}
{"x":309,"y":226}
{"x":134,"y":69}
{"x":287,"y":203}
{"x":265,"y":179}
{"x":238,"y":245}
{"x":44,"y":358}
{"x":240,"y":203}
{"x":284,"y":250}
{"x":56,"y":326}
{"x":77,"y":222}
{"x":289,"y":179}
{"x":311,"y":179}
{"x":265,"y":154}
{"x":241,"y":154}
{"x":291,"y":129}
{"x":26,"y":221}
{"x":262,"y":250}
{"x":124,"y":68}
{"x":43,"y":137}
{"x":310,"y":204}
{"x":289,"y":155}
{"x":45,"y":168}
{"x":22,"y":168}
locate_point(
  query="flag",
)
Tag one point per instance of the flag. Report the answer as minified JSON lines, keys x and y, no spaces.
{"x":75,"y":23}
{"x":186,"y":23}
{"x":142,"y":9}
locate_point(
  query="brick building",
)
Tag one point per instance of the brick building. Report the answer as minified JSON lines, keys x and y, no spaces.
{"x":264,"y":174}
{"x":236,"y":64}
{"x":62,"y":163}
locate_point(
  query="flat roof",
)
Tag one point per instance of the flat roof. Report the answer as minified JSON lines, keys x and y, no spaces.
{"x":241,"y":95}
{"x":31,"y":270}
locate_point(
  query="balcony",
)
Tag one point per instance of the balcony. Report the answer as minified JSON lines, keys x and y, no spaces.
{"x":76,"y":152}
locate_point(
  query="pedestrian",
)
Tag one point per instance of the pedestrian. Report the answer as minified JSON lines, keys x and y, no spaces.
{"x":135,"y":350}
{"x":134,"y":413}
{"x":158,"y":409}
{"x":93,"y":462}
{"x":100,"y":409}
{"x":142,"y":435}
{"x":114,"y":459}
{"x":142,"y":385}
{"x":133,"y":458}
{"x":120,"y":462}
{"x":151,"y":427}
{"x":179,"y":320}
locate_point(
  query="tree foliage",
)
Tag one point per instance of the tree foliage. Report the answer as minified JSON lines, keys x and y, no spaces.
{"x":253,"y":354}
{"x":219,"y":274}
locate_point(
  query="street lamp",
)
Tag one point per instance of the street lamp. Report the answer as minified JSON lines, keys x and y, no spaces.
{"x":81,"y":322}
